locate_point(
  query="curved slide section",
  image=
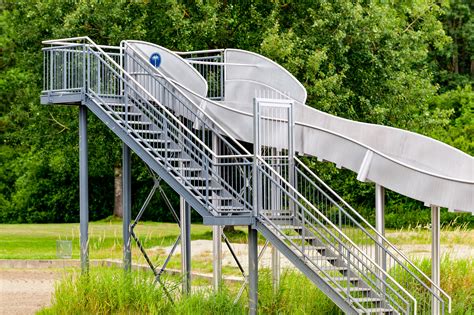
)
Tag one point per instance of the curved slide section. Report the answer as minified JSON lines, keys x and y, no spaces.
{"x":165,"y":63}
{"x":408,"y":163}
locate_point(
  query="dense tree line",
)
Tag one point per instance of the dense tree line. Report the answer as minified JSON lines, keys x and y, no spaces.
{"x":405,"y":64}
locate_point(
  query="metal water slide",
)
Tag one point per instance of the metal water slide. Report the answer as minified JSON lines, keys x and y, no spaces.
{"x":235,"y":78}
{"x":185,"y":122}
{"x":406,"y":162}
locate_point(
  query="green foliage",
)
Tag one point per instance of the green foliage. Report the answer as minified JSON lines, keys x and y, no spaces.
{"x":454,"y":63}
{"x":369,"y":61}
{"x":459,"y":131}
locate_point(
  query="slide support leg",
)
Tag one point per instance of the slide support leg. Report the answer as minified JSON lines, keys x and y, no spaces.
{"x":127,"y":207}
{"x":83,"y":189}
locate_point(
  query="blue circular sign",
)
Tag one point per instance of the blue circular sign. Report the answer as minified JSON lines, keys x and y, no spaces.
{"x":155,"y":59}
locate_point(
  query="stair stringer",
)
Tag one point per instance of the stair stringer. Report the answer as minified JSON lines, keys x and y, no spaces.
{"x":150,"y":160}
{"x":344,"y":305}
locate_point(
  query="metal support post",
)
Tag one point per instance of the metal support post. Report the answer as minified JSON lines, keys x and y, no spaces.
{"x":216,"y":230}
{"x":435,"y":256}
{"x":83,"y":189}
{"x":256,"y":154}
{"x":380,"y":257}
{"x":185,"y":215}
{"x":217,"y":256}
{"x":275,"y":268}
{"x":253,"y":270}
{"x":127,"y":206}
{"x":379,"y":217}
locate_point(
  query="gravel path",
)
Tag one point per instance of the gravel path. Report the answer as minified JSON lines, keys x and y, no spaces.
{"x":25,"y":291}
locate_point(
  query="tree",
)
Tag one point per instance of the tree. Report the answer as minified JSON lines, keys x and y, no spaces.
{"x":386,"y":63}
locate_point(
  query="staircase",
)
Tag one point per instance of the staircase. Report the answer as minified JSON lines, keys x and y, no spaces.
{"x":166,"y":127}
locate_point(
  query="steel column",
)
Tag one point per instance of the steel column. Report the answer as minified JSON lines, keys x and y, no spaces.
{"x":253,"y":270}
{"x":380,"y":218}
{"x":275,"y":268}
{"x":185,"y":218}
{"x":127,"y":206}
{"x":83,"y":189}
{"x":217,"y":256}
{"x":435,"y":256}
{"x":216,"y":229}
{"x":380,"y":257}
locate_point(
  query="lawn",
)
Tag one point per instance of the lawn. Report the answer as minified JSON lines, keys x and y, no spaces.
{"x":38,"y":241}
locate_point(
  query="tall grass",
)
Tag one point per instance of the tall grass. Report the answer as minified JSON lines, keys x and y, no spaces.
{"x":111,"y":291}
{"x":457,"y":280}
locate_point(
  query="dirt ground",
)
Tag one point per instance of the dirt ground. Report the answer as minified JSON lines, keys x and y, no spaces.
{"x":24,"y":291}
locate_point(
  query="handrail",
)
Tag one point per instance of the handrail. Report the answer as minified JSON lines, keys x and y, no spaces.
{"x":298,"y":196}
{"x":116,"y":70}
{"x":173,"y":83}
{"x":377,"y":243}
{"x":193,"y":136}
{"x":210,"y":151}
{"x":160,"y":75}
{"x":356,"y":247}
{"x":384,"y":239}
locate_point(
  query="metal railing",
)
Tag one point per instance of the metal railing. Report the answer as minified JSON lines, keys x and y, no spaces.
{"x":210,"y":64}
{"x":368,"y":239}
{"x":108,"y":85}
{"x":233,"y":160}
{"x":319,"y":230}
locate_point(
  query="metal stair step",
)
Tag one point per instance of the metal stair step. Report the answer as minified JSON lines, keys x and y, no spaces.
{"x":154,"y":140}
{"x":289,"y":227}
{"x":230,"y":208}
{"x":117,"y":104}
{"x":354,"y":289}
{"x":163,"y":150}
{"x":342,"y":279}
{"x":175,"y":159}
{"x":138,"y":123}
{"x":168,"y":150}
{"x":150,"y":132}
{"x":207,"y":188}
{"x":338,"y":279}
{"x":368,"y":299}
{"x":123,"y":114}
{"x":316,"y":248}
{"x":217,"y":198}
{"x":198,"y":178}
{"x":328,"y":258}
{"x":332,"y":268}
{"x":377,"y":310}
{"x":278,"y":217}
{"x":185,"y":169}
{"x":300,"y":237}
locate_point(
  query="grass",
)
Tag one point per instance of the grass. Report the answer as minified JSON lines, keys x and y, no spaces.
{"x":422,"y":235}
{"x":38,"y":241}
{"x":111,"y":291}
